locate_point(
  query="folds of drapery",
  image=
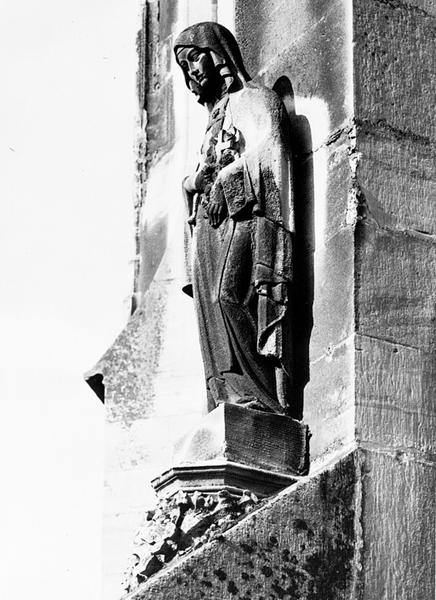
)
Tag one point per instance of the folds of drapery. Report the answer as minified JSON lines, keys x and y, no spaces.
{"x":272,"y":259}
{"x":257,"y":185}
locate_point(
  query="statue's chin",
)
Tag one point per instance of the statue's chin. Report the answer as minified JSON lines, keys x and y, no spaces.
{"x":208,"y":90}
{"x":202,"y":96}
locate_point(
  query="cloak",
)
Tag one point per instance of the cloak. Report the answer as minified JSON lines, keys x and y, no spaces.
{"x":242,"y":272}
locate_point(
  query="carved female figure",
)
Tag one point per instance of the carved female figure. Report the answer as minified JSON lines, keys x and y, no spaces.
{"x":241,"y":217}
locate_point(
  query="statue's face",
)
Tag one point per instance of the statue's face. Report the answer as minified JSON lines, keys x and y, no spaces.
{"x":198,"y":65}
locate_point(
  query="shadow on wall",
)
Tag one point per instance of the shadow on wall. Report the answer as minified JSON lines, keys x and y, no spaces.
{"x":304,"y":242}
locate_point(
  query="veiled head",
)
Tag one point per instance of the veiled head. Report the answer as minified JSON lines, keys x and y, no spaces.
{"x":209,"y":55}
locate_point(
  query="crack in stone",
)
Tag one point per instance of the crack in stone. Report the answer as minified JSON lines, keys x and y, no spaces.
{"x":363,"y":212}
{"x":345,"y":131}
{"x":402,"y":453}
{"x":366,"y":126}
{"x":388,"y":341}
{"x":399,"y":409}
{"x":332,"y":349}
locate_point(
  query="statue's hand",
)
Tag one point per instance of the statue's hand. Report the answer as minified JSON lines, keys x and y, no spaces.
{"x":200,"y":181}
{"x":217,"y":208}
{"x":203,"y":178}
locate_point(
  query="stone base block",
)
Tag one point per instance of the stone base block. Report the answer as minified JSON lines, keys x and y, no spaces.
{"x":237,"y":449}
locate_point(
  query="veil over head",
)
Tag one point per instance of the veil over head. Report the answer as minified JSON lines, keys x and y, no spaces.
{"x":223,"y":49}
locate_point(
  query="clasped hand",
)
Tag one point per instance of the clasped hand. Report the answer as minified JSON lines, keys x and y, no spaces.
{"x":216,"y":212}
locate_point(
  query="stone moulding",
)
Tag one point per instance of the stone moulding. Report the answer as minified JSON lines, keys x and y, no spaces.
{"x":237,"y":448}
{"x":227,"y":475}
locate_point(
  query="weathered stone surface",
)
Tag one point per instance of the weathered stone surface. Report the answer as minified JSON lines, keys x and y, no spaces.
{"x":395,"y":292}
{"x":305,"y":41}
{"x":333,"y":306}
{"x":322,"y":198}
{"x":155,"y":82}
{"x":266,"y":440}
{"x":395,"y":392}
{"x":398,"y":509}
{"x":300,"y":544}
{"x":394,"y":60}
{"x":178,"y":525}
{"x":427,"y":6}
{"x":339,"y":181}
{"x":129,"y":366}
{"x":397,"y":176}
{"x":329,"y":400}
{"x":144,"y":363}
{"x":237,"y":448}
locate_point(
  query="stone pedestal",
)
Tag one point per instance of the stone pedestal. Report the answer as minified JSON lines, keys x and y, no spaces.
{"x":221,"y":468}
{"x":235,"y":449}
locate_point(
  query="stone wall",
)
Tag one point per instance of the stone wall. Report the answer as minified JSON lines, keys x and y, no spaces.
{"x":395,"y":293}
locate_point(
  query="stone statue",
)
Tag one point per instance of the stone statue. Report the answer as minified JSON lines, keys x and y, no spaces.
{"x":241,"y":218}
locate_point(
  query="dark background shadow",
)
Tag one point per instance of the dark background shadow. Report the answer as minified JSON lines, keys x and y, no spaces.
{"x":304,"y":243}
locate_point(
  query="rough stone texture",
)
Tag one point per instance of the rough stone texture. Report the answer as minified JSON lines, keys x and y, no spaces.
{"x":301,"y":544}
{"x":179,"y":524}
{"x":266,"y":440}
{"x":304,"y":40}
{"x":338,"y":186}
{"x":422,"y":6}
{"x":329,"y":400}
{"x":395,"y":401}
{"x":398,"y":518}
{"x":397,"y":176}
{"x":155,"y":81}
{"x":129,"y":366}
{"x":395,"y":296}
{"x":333,"y":311}
{"x":394,"y":66}
{"x":236,"y":448}
{"x":325,"y":537}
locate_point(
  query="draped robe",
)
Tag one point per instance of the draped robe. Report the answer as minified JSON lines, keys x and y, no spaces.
{"x":242,"y":270}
